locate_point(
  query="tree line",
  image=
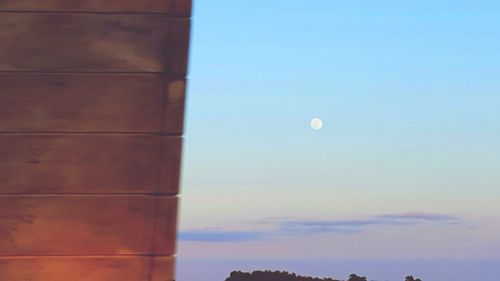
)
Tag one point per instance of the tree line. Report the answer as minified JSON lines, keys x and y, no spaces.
{"x":285,"y":276}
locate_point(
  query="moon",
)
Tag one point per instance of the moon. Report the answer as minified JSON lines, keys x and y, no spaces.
{"x":316,"y":124}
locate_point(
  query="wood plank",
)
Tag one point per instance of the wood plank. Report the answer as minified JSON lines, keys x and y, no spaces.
{"x":89,"y":163}
{"x":91,"y":42}
{"x":87,"y":225}
{"x":86,"y":269}
{"x":170,"y":166}
{"x":171,"y":7}
{"x":173,"y":111}
{"x":178,"y":49}
{"x":91,"y":103}
{"x":163,"y":269}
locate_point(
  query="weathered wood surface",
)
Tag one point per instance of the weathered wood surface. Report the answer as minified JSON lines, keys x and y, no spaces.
{"x":86,"y":269}
{"x":171,"y":7}
{"x":173,"y":112}
{"x":91,"y":112}
{"x":91,"y":103}
{"x":87,"y":225}
{"x":178,"y":51}
{"x":93,"y":43}
{"x":89,"y":163}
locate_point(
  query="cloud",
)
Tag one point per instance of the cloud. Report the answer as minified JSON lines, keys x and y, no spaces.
{"x":210,"y":235}
{"x":415,"y":216}
{"x":290,"y":226}
{"x":301,"y":226}
{"x":310,"y":227}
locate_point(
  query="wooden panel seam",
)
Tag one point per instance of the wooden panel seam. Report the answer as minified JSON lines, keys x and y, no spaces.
{"x":166,"y":14}
{"x":173,"y":8}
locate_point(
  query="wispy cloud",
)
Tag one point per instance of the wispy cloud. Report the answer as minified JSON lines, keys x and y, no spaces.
{"x":416,"y":216}
{"x":301,"y":226}
{"x":288,"y":226}
{"x":305,"y":226}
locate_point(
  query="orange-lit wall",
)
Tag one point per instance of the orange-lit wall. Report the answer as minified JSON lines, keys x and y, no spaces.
{"x":91,"y":119}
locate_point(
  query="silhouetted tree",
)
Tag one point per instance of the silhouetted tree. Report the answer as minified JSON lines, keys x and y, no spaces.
{"x":354,"y":277}
{"x":271,"y":276}
{"x":285,"y":276}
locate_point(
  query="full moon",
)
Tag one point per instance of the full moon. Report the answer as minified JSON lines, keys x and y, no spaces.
{"x":316,"y":124}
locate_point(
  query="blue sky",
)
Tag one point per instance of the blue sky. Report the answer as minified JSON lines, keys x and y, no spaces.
{"x":407,"y":163}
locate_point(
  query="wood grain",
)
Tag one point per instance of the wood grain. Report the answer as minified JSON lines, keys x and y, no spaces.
{"x":87,"y":225}
{"x":171,"y":7}
{"x":86,"y":269}
{"x":89,"y":163}
{"x":91,"y":103}
{"x":173,"y":111}
{"x":92,"y":42}
{"x":178,"y":49}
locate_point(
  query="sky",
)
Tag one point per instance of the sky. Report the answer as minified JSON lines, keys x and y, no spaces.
{"x":405,"y":170}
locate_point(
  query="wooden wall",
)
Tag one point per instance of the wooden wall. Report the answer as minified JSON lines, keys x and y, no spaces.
{"x":91,"y":118}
